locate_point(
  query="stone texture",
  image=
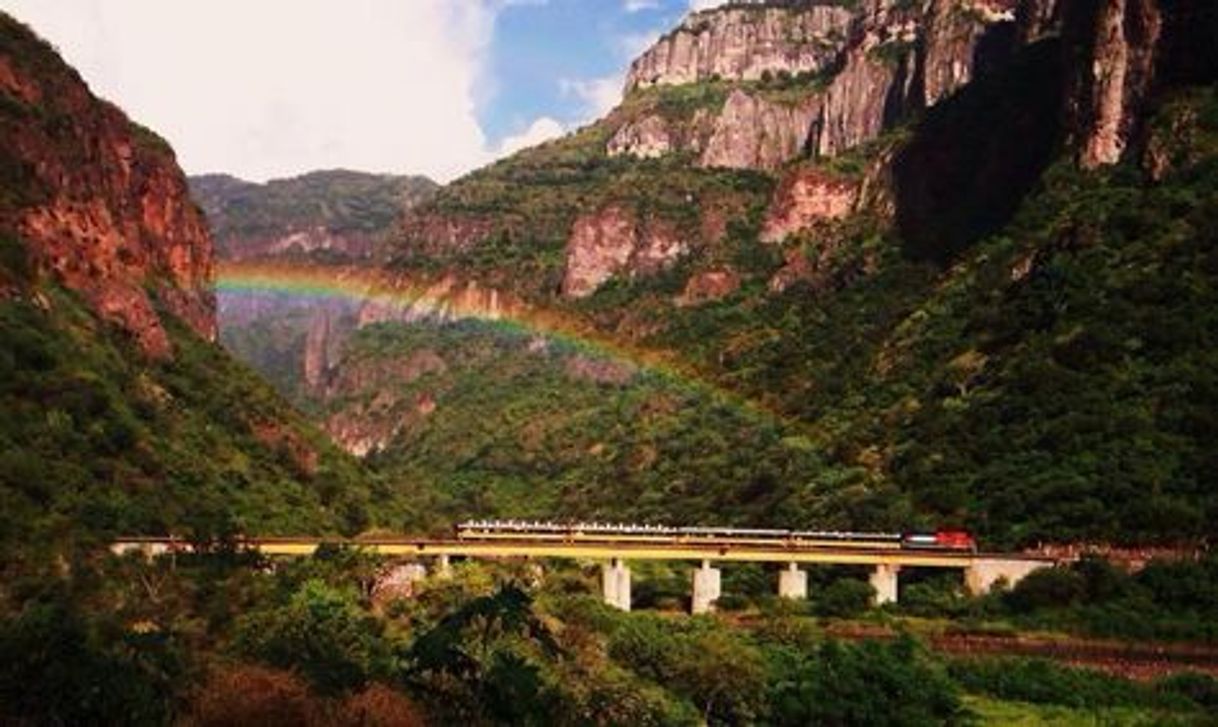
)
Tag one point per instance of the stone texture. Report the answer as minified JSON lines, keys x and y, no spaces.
{"x":103,"y":206}
{"x":646,"y":138}
{"x":884,"y":580}
{"x":741,"y":43}
{"x":615,"y":585}
{"x":431,"y":233}
{"x":613,"y":241}
{"x":753,"y":133}
{"x":708,"y":286}
{"x":804,"y":197}
{"x":707,"y":587}
{"x":1118,"y":40}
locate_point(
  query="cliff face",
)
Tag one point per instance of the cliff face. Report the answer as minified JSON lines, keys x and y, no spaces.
{"x":99,"y":201}
{"x":752,"y":133}
{"x":614,"y":241}
{"x":1121,"y":39}
{"x":844,"y":76}
{"x":741,"y":43}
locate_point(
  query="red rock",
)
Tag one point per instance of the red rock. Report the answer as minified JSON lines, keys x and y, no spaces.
{"x":613,"y":241}
{"x":804,"y":197}
{"x":105,"y":208}
{"x":708,"y":286}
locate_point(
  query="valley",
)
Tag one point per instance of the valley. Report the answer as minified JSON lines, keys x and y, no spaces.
{"x":943,"y":271}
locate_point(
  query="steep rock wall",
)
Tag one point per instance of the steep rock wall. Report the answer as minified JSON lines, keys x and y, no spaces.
{"x":741,"y":43}
{"x":613,"y":241}
{"x":753,"y":133}
{"x":99,"y":201}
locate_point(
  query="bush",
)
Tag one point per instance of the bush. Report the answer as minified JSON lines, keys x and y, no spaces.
{"x":1043,"y":682}
{"x":1047,"y":588}
{"x":867,"y":684}
{"x":57,"y":667}
{"x":1200,"y":688}
{"x":323,"y":633}
{"x":843,"y":598}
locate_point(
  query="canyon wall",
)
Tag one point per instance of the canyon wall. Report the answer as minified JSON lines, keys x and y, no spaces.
{"x":99,"y":201}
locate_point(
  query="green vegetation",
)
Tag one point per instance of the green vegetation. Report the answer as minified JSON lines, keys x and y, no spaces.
{"x":1054,"y":383}
{"x":529,"y":428}
{"x":338,"y":201}
{"x":207,"y":639}
{"x":97,"y":442}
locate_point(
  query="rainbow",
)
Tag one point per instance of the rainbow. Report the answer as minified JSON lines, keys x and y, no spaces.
{"x":447,"y":299}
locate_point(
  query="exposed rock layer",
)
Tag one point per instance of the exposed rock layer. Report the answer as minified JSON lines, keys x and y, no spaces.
{"x":742,"y":43}
{"x":612,"y":241}
{"x":99,"y":201}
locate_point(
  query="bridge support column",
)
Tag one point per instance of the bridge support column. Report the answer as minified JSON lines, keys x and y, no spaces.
{"x":981,"y":575}
{"x":444,"y":567}
{"x":707,"y":588}
{"x":884,"y":581}
{"x":793,"y":582}
{"x":615,"y":581}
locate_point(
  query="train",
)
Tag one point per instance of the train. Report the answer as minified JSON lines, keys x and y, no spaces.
{"x":484,"y":530}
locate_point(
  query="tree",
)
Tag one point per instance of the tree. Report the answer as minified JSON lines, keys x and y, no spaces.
{"x":322,"y":632}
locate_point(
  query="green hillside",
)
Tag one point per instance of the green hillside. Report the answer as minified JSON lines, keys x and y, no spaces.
{"x":1052,"y":381}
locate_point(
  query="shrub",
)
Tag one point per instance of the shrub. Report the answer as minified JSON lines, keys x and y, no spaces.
{"x":844,"y":597}
{"x":867,"y":684}
{"x":1200,"y":688}
{"x":322,"y":632}
{"x":1047,"y":588}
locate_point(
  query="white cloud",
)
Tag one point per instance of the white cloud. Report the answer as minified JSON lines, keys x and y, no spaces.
{"x":543,"y":129}
{"x":278,"y":87}
{"x":634,"y":6}
{"x":696,"y":5}
{"x":597,"y":96}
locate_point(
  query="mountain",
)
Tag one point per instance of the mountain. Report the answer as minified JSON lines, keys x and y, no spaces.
{"x":335,"y":214}
{"x":951,"y":256}
{"x":121,"y":413}
{"x":333,"y":217}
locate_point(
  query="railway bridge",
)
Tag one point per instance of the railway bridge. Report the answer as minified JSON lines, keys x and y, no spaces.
{"x":981,"y":570}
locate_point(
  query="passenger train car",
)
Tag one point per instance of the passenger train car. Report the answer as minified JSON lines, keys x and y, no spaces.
{"x":482,"y":530}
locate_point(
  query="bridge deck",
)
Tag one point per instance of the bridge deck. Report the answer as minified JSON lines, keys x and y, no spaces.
{"x":593,"y":550}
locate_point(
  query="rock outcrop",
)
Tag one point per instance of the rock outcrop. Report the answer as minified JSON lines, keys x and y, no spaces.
{"x":708,"y":286}
{"x":753,"y":133}
{"x":739,"y":42}
{"x":646,"y":138}
{"x":873,"y":66}
{"x":614,"y":241}
{"x":1117,"y":42}
{"x":807,"y":196}
{"x":434,"y":233}
{"x":99,"y":201}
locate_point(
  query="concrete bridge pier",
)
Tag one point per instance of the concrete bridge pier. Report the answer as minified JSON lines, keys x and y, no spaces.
{"x":707,"y":588}
{"x":615,"y":582}
{"x":884,"y":581}
{"x":981,"y":575}
{"x":444,"y":566}
{"x":793,"y":583}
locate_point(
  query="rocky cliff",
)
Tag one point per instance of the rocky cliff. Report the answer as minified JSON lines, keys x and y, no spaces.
{"x":842,"y":75}
{"x":743,"y":41}
{"x":120,"y":415}
{"x":98,"y":200}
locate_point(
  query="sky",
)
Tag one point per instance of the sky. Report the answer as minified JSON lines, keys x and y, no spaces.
{"x":266,"y":89}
